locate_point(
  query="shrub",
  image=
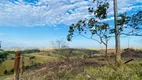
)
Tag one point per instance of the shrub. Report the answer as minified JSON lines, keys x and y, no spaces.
{"x":12,"y":58}
{"x":32,"y":57}
{"x":27,"y":67}
{"x":5,"y":72}
{"x":12,"y":70}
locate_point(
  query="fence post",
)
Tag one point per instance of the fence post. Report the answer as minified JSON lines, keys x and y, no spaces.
{"x":16,"y":65}
{"x":22,"y":65}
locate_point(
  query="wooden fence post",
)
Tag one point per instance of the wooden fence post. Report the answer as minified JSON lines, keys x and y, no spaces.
{"x":22,"y":65}
{"x":16,"y":65}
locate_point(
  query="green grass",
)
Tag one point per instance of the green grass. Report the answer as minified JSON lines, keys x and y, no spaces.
{"x":6,"y":65}
{"x":126,"y":72}
{"x":40,"y":58}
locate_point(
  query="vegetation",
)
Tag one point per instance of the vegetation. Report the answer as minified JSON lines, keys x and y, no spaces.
{"x":127,"y":72}
{"x":64,"y":63}
{"x":77,"y":67}
{"x":85,"y":69}
{"x":100,"y":30}
{"x":28,"y":51}
{"x":3,"y":56}
{"x":59,"y":44}
{"x":28,"y":59}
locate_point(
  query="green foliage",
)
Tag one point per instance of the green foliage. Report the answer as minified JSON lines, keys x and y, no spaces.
{"x":28,"y":51}
{"x":123,"y":20}
{"x":32,"y":57}
{"x":99,"y":29}
{"x":32,"y":60}
{"x":5,"y":72}
{"x":130,"y":25}
{"x":3,"y":56}
{"x":136,"y":20}
{"x":27,"y":67}
{"x":101,"y":12}
{"x":12,"y":70}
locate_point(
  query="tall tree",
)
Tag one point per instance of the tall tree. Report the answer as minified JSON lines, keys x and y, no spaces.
{"x":98,"y":29}
{"x":128,"y":26}
{"x":117,"y":35}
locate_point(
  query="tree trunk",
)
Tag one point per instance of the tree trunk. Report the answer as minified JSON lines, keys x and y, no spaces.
{"x":106,"y":54}
{"x":117,"y":35}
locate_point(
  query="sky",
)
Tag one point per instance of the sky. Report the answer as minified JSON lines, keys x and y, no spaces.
{"x":35,"y":23}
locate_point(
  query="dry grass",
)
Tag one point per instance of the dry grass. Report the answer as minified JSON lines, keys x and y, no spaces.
{"x":59,"y":68}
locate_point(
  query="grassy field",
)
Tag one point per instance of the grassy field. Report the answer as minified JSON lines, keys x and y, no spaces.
{"x":81,"y":65}
{"x":80,"y":69}
{"x":39,"y":58}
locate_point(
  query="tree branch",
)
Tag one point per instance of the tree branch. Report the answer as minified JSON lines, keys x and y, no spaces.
{"x":127,"y":34}
{"x":90,"y":38}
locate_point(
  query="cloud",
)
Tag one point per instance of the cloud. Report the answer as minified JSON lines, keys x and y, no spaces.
{"x":51,"y":12}
{"x":127,"y":9}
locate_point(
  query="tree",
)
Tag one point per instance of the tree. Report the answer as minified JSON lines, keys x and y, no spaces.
{"x":116,"y":31}
{"x":32,"y":59}
{"x":128,"y":26}
{"x":98,"y":29}
{"x":62,"y":47}
{"x":59,"y":44}
{"x":3,"y":55}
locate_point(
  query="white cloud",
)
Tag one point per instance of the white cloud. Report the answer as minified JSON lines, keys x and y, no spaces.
{"x":51,"y":12}
{"x":109,"y":19}
{"x":127,"y":9}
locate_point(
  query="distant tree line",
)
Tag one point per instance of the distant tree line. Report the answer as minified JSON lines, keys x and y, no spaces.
{"x":3,"y":56}
{"x":28,"y":51}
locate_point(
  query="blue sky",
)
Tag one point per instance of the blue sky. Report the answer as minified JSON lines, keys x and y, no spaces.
{"x":35,"y":23}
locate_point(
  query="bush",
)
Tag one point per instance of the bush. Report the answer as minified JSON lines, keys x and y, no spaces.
{"x":12,"y":58}
{"x":5,"y":72}
{"x":27,"y":67}
{"x":12,"y":70}
{"x":32,"y":57}
{"x":3,"y":56}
